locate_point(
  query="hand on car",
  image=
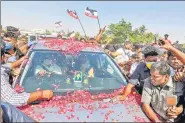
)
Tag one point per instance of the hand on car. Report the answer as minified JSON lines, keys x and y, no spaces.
{"x":16,"y":72}
{"x":119,"y":98}
{"x":42,"y":72}
{"x":47,"y":94}
{"x":174,"y":111}
{"x":23,"y":58}
{"x":107,"y":51}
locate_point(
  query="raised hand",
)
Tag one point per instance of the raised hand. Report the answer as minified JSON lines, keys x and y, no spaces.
{"x":180,"y":74}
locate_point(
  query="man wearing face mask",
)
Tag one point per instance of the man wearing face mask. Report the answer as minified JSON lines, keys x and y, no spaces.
{"x":142,"y":72}
{"x":10,"y":52}
{"x":8,"y":94}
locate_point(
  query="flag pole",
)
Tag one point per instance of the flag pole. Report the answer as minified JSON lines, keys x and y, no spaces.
{"x":99,"y":23}
{"x":81,"y":25}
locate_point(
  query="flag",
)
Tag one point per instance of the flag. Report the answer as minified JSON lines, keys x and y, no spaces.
{"x":91,"y":13}
{"x":58,"y":24}
{"x":72,"y":14}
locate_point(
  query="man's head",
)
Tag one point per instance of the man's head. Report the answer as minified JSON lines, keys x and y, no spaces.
{"x":14,"y":30}
{"x":151,"y":54}
{"x":138,"y":48}
{"x":10,"y":37}
{"x":22,"y":41}
{"x":160,"y":72}
{"x":9,"y":47}
{"x":133,"y":58}
{"x":128,"y":45}
{"x":164,"y":56}
{"x":11,"y":29}
{"x":82,"y":39}
{"x":59,"y":37}
{"x":173,"y":61}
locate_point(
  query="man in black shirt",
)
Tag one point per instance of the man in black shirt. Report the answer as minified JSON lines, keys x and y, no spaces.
{"x":142,"y":72}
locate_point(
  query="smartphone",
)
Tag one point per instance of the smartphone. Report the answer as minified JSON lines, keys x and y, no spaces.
{"x":171,"y":100}
{"x":161,"y":42}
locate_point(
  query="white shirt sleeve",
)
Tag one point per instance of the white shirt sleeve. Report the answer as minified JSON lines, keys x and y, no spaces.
{"x":120,"y":50}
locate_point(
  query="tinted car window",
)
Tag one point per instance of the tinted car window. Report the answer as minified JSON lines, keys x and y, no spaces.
{"x":67,"y":72}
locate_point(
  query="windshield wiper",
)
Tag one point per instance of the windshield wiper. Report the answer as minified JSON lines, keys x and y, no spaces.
{"x":92,"y":91}
{"x":64,"y":92}
{"x":56,"y":93}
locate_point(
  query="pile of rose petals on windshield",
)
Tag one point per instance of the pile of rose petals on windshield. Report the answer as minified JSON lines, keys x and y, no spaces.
{"x":85,"y":100}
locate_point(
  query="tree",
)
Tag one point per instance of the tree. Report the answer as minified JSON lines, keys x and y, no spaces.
{"x":118,"y":32}
{"x":47,"y":32}
{"x":122,"y":31}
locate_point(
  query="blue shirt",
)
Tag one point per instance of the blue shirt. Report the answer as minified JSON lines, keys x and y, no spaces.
{"x":11,"y":114}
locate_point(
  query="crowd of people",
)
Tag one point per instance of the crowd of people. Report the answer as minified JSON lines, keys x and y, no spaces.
{"x":156,"y":71}
{"x":13,"y":53}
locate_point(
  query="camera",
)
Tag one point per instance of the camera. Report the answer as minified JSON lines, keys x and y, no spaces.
{"x":161,"y":42}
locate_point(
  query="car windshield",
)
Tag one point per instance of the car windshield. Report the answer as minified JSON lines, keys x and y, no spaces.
{"x":64,"y":72}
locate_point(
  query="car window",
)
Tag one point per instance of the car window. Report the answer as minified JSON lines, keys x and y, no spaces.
{"x":63,"y":72}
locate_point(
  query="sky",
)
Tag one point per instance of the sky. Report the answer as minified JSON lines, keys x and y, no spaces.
{"x":158,"y":16}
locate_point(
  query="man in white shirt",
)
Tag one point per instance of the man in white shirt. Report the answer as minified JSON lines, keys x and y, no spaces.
{"x":48,"y":67}
{"x":123,"y":54}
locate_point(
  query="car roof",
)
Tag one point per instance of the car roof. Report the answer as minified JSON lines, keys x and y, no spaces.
{"x":65,"y":44}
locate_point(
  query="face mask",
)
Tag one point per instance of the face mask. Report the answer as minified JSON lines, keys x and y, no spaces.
{"x":149,"y":64}
{"x":12,"y":59}
{"x":8,"y":46}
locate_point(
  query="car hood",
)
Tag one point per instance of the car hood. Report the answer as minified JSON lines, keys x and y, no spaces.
{"x":97,"y":111}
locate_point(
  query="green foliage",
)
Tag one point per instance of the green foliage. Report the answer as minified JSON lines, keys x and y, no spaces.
{"x":47,"y":32}
{"x":183,"y":46}
{"x":122,"y":31}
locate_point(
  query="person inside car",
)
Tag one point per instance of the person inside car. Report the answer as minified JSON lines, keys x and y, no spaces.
{"x":48,"y":66}
{"x":83,"y":64}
